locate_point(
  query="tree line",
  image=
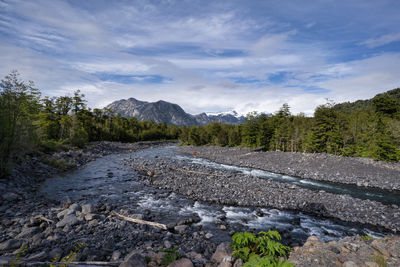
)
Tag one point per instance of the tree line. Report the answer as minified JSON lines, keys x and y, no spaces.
{"x":361,"y":129}
{"x":30,"y":123}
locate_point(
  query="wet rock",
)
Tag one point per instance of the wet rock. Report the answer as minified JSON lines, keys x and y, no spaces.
{"x":70,"y":220}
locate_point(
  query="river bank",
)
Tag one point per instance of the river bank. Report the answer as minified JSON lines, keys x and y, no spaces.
{"x":148,"y":181}
{"x":363,"y":172}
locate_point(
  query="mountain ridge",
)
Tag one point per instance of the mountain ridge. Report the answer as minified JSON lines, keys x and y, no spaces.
{"x":165,"y":112}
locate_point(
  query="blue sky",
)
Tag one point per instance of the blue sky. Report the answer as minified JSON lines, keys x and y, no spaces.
{"x":205,"y":55}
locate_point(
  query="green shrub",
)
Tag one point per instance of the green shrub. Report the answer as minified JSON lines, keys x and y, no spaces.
{"x":262,"y":249}
{"x":366,"y":237}
{"x":380,"y":260}
{"x":171,"y":256}
{"x":61,"y":164}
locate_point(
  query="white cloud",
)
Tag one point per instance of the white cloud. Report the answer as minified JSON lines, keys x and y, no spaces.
{"x":382,"y":40}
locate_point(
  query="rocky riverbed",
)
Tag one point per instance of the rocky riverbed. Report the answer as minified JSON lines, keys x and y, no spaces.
{"x":200,"y":206}
{"x":201,"y":182}
{"x":323,"y":167}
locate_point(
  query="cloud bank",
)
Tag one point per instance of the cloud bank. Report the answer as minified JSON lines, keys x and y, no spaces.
{"x":206,"y":56}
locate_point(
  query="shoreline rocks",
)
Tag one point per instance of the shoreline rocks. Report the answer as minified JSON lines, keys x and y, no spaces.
{"x":322,"y":167}
{"x":224,"y":187}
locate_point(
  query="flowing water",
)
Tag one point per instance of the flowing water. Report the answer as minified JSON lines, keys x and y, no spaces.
{"x":109,"y":180}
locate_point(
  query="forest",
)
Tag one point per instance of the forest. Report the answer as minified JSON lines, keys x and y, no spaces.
{"x":30,"y":123}
{"x":366,"y":128}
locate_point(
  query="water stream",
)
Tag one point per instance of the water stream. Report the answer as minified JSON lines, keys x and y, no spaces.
{"x":109,"y":180}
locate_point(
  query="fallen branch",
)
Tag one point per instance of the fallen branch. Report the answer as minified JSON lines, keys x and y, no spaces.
{"x":196,"y":172}
{"x":154,"y":224}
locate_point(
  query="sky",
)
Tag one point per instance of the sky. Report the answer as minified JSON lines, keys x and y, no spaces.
{"x":206,"y":56}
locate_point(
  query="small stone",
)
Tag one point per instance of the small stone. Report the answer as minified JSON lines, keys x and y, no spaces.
{"x":55,"y":253}
{"x":349,"y":264}
{"x":185,"y":262}
{"x":90,"y":216}
{"x":222,"y":227}
{"x":167,"y":244}
{"x":238,"y":263}
{"x":116,"y":255}
{"x":68,"y":220}
{"x":87,"y":208}
{"x":209,"y":235}
{"x":180,"y":229}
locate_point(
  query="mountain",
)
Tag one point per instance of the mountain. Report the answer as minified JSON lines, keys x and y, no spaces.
{"x":162,"y":111}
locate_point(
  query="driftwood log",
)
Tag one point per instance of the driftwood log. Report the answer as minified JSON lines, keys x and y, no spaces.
{"x":154,"y":224}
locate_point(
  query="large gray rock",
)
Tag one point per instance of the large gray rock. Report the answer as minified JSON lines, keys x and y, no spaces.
{"x":40,"y":256}
{"x":28,"y":232}
{"x":222,"y":253}
{"x":134,"y":260}
{"x":11,"y":244}
{"x":185,"y":262}
{"x":180,"y":229}
{"x":87,"y":208}
{"x":71,"y":210}
{"x":70,"y":220}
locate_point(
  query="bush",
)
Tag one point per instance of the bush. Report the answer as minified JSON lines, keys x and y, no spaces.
{"x":260,"y":249}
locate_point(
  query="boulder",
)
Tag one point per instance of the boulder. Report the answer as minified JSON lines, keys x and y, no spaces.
{"x":223,"y":251}
{"x":134,"y":260}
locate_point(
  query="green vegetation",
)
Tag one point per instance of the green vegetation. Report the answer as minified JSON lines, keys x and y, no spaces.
{"x":21,"y":253}
{"x":380,"y":260}
{"x":368,"y":128}
{"x":29,"y":123}
{"x":171,"y":256}
{"x":262,"y":249}
{"x":366,"y":237}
